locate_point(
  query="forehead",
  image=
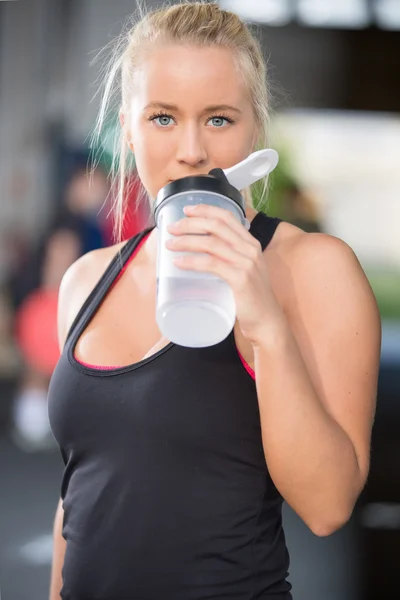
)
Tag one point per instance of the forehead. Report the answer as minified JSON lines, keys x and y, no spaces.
{"x":183,"y":74}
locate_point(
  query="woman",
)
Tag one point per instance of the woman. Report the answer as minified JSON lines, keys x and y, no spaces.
{"x":178,"y":459}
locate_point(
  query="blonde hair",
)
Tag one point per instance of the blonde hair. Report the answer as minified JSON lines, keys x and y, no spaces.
{"x":198,"y":23}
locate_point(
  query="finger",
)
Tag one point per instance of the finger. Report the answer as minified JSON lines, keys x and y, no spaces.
{"x":210,"y":264}
{"x":219,"y":228}
{"x":206,"y":226}
{"x":214,"y":246}
{"x":209,"y":211}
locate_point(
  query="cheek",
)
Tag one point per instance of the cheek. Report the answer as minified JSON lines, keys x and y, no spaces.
{"x":151,"y":159}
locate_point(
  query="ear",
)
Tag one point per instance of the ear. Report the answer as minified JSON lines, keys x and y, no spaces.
{"x":122,"y":121}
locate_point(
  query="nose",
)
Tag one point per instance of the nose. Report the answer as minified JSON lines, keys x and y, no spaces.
{"x":191,"y":148}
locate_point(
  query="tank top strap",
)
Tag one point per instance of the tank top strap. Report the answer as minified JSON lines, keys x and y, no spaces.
{"x":105,"y":283}
{"x":263,"y":228}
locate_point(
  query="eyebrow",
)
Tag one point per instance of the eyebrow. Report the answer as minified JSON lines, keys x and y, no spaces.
{"x":208,"y":109}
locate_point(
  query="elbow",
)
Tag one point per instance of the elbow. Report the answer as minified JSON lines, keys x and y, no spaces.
{"x":328,"y":525}
{"x":334,"y":518}
{"x":325,"y":529}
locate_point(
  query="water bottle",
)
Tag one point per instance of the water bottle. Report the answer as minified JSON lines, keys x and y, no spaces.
{"x":197,"y":309}
{"x":194,"y":309}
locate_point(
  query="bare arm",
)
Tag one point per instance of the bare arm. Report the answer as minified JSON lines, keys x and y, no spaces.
{"x":59,"y":545}
{"x":316,"y":375}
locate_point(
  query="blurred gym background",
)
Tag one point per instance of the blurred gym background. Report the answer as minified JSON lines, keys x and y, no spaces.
{"x":335,"y":80}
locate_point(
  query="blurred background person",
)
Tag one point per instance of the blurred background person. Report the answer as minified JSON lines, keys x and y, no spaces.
{"x":83,"y":209}
{"x":80,"y":210}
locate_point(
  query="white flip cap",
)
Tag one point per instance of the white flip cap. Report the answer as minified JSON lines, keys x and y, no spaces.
{"x":251,"y":169}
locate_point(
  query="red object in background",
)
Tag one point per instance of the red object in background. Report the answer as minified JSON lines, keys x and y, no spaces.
{"x":36,"y":330}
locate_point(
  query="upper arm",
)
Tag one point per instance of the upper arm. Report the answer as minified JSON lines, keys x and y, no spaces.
{"x":336,"y":322}
{"x":60,"y":509}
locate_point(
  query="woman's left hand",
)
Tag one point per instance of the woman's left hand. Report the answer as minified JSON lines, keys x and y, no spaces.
{"x":233,"y":254}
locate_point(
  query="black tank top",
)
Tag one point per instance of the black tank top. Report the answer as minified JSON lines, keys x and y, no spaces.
{"x":166,"y":492}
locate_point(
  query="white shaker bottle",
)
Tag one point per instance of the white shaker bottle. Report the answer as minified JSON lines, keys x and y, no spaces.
{"x":197,"y":309}
{"x":194,"y":309}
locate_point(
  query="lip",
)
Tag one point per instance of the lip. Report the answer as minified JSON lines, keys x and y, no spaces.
{"x":189,"y":175}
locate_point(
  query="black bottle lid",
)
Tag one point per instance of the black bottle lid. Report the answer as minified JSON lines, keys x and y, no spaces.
{"x":215,"y":182}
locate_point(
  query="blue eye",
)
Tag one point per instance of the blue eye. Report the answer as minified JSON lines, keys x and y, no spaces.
{"x":163,"y":120}
{"x":219,"y":122}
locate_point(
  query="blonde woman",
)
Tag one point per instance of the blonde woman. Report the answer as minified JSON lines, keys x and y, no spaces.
{"x":177,"y":460}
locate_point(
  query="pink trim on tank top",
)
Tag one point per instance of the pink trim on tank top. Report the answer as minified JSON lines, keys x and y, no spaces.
{"x":246,"y":365}
{"x":110,"y":368}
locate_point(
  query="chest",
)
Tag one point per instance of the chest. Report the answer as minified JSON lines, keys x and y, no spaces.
{"x":123,"y":329}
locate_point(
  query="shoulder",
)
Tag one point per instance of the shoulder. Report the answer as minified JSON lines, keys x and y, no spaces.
{"x":322,"y":277}
{"x":77,"y":283}
{"x":319,"y":255}
{"x":309,"y":255}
